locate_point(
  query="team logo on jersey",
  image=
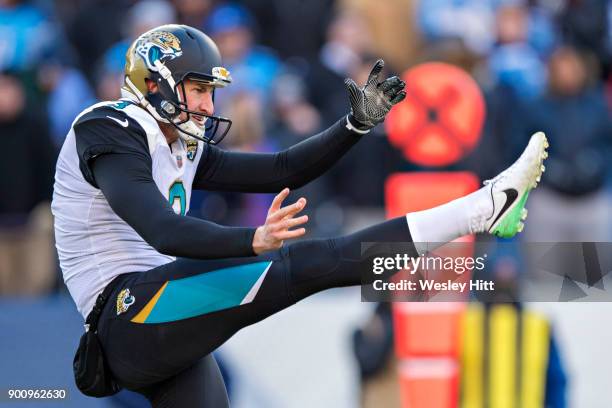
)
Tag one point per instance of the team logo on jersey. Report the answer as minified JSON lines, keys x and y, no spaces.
{"x":179,"y":160}
{"x":158,"y":46}
{"x":124,"y":301}
{"x":192,"y":149}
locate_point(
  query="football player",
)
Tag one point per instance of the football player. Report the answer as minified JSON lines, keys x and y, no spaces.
{"x":179,"y":287}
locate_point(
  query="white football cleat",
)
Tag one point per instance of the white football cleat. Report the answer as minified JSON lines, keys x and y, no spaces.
{"x":510,"y":189}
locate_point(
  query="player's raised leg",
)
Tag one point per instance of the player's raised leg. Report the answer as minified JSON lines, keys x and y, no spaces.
{"x":183,"y":310}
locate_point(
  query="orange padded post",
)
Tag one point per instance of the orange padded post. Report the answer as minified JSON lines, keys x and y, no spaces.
{"x":437,"y":124}
{"x":429,"y":383}
{"x":427,"y":329}
{"x":427,"y":335}
{"x":409,"y":192}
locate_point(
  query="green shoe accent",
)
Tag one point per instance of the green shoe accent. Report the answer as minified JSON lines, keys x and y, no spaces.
{"x":509,"y":225}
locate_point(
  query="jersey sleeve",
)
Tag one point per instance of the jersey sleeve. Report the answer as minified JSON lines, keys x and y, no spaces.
{"x":106,"y":130}
{"x":271,"y":172}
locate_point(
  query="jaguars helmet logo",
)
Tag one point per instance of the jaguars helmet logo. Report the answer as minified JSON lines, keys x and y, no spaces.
{"x":124,"y":301}
{"x":158,"y":46}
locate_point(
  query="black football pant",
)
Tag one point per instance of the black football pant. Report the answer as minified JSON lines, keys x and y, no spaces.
{"x":159,"y":327}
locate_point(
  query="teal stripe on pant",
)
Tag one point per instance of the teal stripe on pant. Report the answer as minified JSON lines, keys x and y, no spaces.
{"x":207,"y":292}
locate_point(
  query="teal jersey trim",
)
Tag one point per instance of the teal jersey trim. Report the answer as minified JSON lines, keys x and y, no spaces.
{"x":208,"y":292}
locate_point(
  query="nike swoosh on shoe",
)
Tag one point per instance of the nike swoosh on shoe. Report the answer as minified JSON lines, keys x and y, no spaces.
{"x":511,"y":196}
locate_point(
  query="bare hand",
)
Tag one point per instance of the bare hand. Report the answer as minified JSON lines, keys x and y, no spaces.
{"x":276,"y":230}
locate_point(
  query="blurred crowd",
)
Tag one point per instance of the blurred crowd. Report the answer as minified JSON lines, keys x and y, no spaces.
{"x":542,"y":65}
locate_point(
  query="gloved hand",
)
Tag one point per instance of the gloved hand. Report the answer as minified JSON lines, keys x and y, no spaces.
{"x":371,"y":103}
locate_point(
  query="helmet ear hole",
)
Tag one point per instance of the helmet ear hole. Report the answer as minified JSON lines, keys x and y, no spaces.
{"x":164,"y":108}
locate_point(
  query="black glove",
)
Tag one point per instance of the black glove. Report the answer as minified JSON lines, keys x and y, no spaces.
{"x":371,"y":103}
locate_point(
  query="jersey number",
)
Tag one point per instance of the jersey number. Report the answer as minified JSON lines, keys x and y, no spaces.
{"x":177,"y":196}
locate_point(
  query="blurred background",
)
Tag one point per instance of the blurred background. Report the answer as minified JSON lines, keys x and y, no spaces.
{"x":535,"y":65}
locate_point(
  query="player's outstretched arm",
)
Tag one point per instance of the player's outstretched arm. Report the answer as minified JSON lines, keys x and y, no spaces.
{"x":269,"y":173}
{"x":126,"y":182}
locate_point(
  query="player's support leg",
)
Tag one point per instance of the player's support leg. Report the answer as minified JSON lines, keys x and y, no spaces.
{"x":200,"y":385}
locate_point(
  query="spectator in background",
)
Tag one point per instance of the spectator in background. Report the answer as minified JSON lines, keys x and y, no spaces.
{"x":28,"y":35}
{"x":68,"y":93}
{"x":585,"y":24}
{"x":109,"y":74}
{"x":95,"y":27}
{"x":253,"y":67}
{"x":543,"y":34}
{"x":294,"y":120}
{"x":30,"y":40}
{"x":192,"y":12}
{"x":513,"y":61}
{"x":26,"y":251}
{"x":347,"y":44}
{"x":346,"y":53}
{"x":283,"y":23}
{"x":572,"y":205}
{"x":34,"y":45}
{"x":471,"y":21}
{"x":294,"y":117}
{"x":512,"y":75}
{"x":247,"y":135}
{"x":501,"y":134}
{"x":141,"y":17}
{"x":370,"y":162}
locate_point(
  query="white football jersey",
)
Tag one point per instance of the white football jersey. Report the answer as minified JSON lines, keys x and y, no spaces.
{"x":93,"y":243}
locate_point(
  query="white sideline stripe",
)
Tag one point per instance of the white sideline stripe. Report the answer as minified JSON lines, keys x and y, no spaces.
{"x":251,"y":295}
